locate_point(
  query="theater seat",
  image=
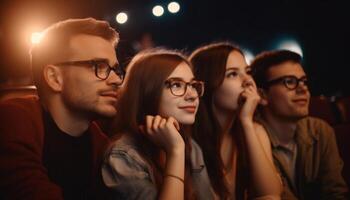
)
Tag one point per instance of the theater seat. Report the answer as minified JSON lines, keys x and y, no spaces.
{"x":342,"y":133}
{"x":343,"y":105}
{"x":16,"y":91}
{"x":323,"y":108}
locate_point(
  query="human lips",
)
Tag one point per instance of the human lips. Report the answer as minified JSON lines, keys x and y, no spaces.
{"x":301,"y":101}
{"x":112,"y":94}
{"x":189,"y":109}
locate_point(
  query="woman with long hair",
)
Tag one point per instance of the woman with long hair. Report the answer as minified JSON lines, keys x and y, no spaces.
{"x":236,"y":150}
{"x":153,"y":155}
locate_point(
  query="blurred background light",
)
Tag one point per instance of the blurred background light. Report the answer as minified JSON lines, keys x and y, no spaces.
{"x":121,"y":17}
{"x":36,"y":37}
{"x":158,"y":10}
{"x":174,"y":7}
{"x":291,"y":45}
{"x":248,"y":55}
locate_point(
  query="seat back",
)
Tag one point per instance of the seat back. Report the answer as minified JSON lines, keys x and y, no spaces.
{"x":17,"y":91}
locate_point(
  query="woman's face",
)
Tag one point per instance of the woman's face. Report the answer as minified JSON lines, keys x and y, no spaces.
{"x":182,"y":107}
{"x":236,"y":75}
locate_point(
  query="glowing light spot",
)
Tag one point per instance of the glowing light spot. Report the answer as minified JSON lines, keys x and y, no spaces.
{"x":158,"y":11}
{"x":173,"y":7}
{"x":121,"y":18}
{"x":291,"y":45}
{"x":248,"y":55}
{"x":36,"y":37}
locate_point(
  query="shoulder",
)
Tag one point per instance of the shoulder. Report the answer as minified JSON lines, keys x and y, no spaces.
{"x":28,"y":104}
{"x":124,"y":163}
{"x":21,"y":118}
{"x":315,"y":126}
{"x":124,"y":152}
{"x":260,"y":131}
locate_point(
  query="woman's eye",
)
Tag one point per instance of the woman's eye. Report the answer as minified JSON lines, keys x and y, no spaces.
{"x":232,"y":74}
{"x":176,"y":85}
{"x":249,"y":72}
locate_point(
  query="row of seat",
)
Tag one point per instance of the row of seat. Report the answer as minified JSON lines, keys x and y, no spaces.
{"x":334,"y":111}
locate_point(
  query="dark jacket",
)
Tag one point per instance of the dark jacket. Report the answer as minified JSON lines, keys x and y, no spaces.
{"x":22,"y":173}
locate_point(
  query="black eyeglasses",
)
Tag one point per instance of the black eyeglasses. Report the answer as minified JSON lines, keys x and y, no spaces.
{"x":290,"y":82}
{"x":179,"y":87}
{"x":102,"y":68}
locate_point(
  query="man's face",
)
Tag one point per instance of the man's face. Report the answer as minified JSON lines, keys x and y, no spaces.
{"x":283,"y":102}
{"x":82,"y":92}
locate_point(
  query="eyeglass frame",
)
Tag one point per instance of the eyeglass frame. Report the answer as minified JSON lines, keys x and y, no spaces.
{"x":169,"y":81}
{"x":283,"y":79}
{"x":119,"y":71}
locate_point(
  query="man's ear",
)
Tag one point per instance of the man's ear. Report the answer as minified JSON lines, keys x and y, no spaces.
{"x":263,"y":95}
{"x":53,"y":77}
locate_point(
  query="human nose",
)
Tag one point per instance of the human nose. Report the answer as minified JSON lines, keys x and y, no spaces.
{"x":248,"y":81}
{"x":302,"y":85}
{"x":190,"y":92}
{"x":115,"y":77}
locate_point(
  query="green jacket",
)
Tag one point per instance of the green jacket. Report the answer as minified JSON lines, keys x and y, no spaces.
{"x":318,"y":164}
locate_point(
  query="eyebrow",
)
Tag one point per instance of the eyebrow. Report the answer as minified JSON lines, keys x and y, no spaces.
{"x":237,"y":68}
{"x":107,"y":61}
{"x":179,"y":78}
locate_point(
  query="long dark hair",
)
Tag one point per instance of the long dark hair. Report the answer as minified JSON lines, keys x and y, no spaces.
{"x":140,"y":96}
{"x":209,"y":63}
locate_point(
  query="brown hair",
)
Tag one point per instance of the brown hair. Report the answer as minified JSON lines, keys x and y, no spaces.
{"x":141,"y":96}
{"x":53,"y":45}
{"x":265,"y":60}
{"x":209,"y":64}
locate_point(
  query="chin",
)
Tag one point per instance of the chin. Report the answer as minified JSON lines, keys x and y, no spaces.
{"x":109,"y":111}
{"x":187,"y":121}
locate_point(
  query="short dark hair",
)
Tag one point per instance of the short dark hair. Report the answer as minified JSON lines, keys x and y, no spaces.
{"x":267,"y":59}
{"x":53,"y":45}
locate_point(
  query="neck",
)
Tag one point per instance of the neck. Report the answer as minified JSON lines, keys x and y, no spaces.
{"x":70,"y":122}
{"x":283,"y":128}
{"x":227,"y":147}
{"x":225,"y":119}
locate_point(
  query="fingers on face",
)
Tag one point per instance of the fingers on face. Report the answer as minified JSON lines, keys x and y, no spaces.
{"x":155,"y":123}
{"x":173,"y":122}
{"x":250,"y":92}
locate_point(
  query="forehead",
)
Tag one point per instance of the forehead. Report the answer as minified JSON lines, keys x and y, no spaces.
{"x":235,"y":59}
{"x":286,"y":69}
{"x":183,"y":71}
{"x":85,"y":47}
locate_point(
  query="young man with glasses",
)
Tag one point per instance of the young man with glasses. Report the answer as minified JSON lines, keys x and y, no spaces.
{"x":50,"y":147}
{"x":304,"y":148}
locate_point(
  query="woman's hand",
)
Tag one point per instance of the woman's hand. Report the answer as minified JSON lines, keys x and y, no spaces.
{"x":164,"y":132}
{"x":249,"y":99}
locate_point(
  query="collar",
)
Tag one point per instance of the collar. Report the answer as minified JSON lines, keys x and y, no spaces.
{"x":303,"y":133}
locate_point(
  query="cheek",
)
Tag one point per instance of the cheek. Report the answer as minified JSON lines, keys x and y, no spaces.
{"x":279,"y":100}
{"x":167,"y":106}
{"x":227,"y":95}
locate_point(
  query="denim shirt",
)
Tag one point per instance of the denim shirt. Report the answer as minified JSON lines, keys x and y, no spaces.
{"x":130,"y":176}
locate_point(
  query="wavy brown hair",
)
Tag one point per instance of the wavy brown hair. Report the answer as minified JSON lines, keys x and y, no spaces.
{"x":209,"y":63}
{"x":140,"y":96}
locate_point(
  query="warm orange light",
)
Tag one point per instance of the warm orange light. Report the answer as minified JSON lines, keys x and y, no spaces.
{"x":36,"y":37}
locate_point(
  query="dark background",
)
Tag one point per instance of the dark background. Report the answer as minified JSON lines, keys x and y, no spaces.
{"x":320,"y":27}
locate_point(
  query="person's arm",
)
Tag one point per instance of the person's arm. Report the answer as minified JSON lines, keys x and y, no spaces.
{"x":332,"y":182}
{"x":22,"y":173}
{"x":165,"y":134}
{"x":127,"y":174}
{"x":265,"y":182}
